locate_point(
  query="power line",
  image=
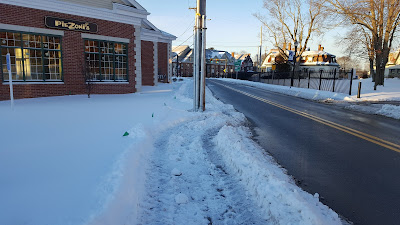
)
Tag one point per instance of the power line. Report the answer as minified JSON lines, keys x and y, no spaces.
{"x":183,"y":42}
{"x":190,"y":25}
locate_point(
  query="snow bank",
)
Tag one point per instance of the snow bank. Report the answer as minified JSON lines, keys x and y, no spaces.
{"x":390,"y":111}
{"x":389,"y":92}
{"x":275,"y":193}
{"x":64,"y":160}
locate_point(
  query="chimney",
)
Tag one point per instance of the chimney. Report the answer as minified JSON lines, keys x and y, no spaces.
{"x":319,"y":47}
{"x":290,"y":46}
{"x":233,"y":54}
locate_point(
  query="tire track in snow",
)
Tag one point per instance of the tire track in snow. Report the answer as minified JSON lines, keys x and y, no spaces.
{"x":213,"y":195}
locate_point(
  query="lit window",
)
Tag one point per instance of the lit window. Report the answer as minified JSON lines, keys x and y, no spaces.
{"x":106,"y":61}
{"x":34,"y":57}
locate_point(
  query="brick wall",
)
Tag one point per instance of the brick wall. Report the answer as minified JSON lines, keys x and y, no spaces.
{"x":72,"y":50}
{"x":147,"y":63}
{"x":163,"y":59}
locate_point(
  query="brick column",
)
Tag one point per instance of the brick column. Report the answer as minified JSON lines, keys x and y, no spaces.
{"x":138,"y":58}
{"x":169,"y":61}
{"x":155,"y":55}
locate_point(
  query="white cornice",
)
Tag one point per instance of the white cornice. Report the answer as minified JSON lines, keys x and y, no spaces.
{"x":135,"y":4}
{"x":126,"y":10}
{"x":119,"y":15}
{"x":157,"y":36}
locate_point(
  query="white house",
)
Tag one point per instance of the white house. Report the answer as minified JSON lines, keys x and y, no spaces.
{"x":393,"y":65}
{"x":310,"y":60}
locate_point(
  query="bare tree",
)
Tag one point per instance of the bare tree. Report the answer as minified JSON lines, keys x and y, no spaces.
{"x":89,"y":76}
{"x":380,"y":18}
{"x":359,"y":45}
{"x":290,"y":21}
{"x":347,"y":62}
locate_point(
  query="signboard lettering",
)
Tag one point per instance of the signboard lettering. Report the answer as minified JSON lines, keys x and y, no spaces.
{"x":66,"y":24}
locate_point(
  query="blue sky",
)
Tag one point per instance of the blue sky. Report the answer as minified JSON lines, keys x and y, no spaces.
{"x":232,"y":27}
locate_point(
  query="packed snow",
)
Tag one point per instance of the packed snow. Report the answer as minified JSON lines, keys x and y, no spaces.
{"x":370,"y":101}
{"x":65,"y":160}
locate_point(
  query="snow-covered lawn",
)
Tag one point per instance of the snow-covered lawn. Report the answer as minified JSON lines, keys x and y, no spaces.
{"x":64,"y":160}
{"x":370,"y":102}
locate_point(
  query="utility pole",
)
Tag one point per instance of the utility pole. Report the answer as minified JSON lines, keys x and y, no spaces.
{"x":199,"y":62}
{"x":260,"y":61}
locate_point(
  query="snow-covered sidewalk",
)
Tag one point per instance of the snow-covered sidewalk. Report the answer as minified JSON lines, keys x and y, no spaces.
{"x":64,"y":161}
{"x":372,"y":102}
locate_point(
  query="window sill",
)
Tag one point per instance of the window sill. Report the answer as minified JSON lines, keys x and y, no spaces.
{"x":110,"y":82}
{"x":30,"y":83}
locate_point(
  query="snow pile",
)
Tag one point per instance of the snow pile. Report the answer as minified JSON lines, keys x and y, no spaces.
{"x":275,"y":193}
{"x":389,"y":92}
{"x":294,"y":91}
{"x":390,"y":111}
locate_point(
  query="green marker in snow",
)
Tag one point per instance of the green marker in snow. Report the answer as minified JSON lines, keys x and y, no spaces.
{"x":126,"y":134}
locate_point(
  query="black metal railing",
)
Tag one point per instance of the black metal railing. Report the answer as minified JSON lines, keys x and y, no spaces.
{"x":334,"y":81}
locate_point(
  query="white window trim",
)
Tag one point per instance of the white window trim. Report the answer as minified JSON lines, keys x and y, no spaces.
{"x":11,"y":27}
{"x":31,"y":82}
{"x":104,"y":38}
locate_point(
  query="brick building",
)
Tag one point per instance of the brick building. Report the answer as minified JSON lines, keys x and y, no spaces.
{"x":55,"y":45}
{"x":218,"y":63}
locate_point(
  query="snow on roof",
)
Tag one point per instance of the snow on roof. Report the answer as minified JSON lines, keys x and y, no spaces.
{"x":307,"y":53}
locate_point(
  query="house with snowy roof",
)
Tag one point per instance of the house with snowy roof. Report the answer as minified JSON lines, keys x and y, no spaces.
{"x":218,"y":63}
{"x":247,"y":62}
{"x":393,"y":65}
{"x":316,"y":61}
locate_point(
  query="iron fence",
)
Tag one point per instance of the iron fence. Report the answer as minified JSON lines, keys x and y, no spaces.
{"x":335,"y":81}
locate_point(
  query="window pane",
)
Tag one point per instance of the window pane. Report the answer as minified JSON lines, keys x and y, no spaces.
{"x":93,"y":64}
{"x":51,"y":42}
{"x":91,"y":46}
{"x":52,"y":65}
{"x":106,"y":47}
{"x":10,"y":39}
{"x":31,"y":41}
{"x":120,"y":68}
{"x":33,"y":65}
{"x":120,"y":49}
{"x":107,"y":68}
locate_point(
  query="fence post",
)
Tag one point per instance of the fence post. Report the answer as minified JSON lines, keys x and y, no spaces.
{"x":334,"y":77}
{"x":309,"y":78}
{"x":359,"y":90}
{"x":351,"y":81}
{"x":320,"y":80}
{"x":299,"y":78}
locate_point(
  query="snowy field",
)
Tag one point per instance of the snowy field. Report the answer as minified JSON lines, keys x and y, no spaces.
{"x":64,"y":160}
{"x":372,"y":102}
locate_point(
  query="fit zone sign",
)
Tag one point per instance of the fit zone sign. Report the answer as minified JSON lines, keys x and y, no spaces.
{"x":73,"y":25}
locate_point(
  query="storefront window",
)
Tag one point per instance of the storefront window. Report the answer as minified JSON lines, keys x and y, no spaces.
{"x":34,"y":57}
{"x":107,"y":61}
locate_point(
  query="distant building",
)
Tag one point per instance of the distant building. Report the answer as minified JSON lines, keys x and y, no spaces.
{"x":319,"y":60}
{"x":393,"y":65}
{"x":247,"y":63}
{"x":218,"y":63}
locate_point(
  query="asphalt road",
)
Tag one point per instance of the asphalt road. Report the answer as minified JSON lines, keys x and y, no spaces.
{"x":351,"y":159}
